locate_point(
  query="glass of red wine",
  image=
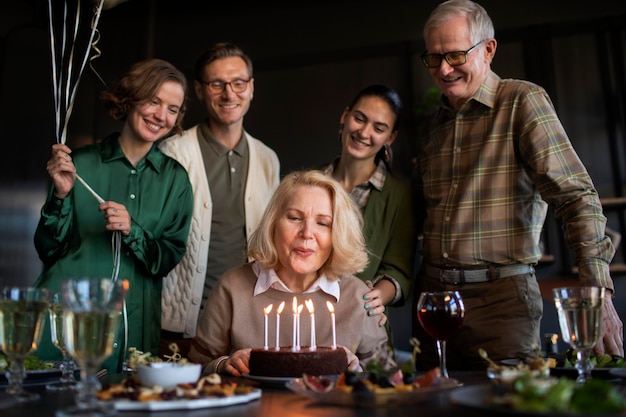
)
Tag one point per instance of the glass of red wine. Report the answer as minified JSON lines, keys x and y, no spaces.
{"x":441,"y":315}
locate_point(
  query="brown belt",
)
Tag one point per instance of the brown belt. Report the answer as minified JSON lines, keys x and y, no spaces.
{"x":472,"y":276}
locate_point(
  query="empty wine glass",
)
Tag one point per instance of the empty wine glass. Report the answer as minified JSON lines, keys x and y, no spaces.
{"x":441,"y":315}
{"x":91,"y":309}
{"x":22,"y":312}
{"x":67,"y":381}
{"x":580,"y":319}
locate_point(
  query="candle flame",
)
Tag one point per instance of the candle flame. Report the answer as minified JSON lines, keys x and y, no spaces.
{"x":300,"y":307}
{"x":309,"y":306}
{"x":330,"y":307}
{"x":280,"y":308}
{"x":267,"y":309}
{"x":294,"y":306}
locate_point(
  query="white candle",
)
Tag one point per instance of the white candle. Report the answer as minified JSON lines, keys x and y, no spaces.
{"x":309,"y":306}
{"x":278,"y":311}
{"x":294,"y":309}
{"x":332,"y":320}
{"x":266,"y":311}
{"x":300,"y":307}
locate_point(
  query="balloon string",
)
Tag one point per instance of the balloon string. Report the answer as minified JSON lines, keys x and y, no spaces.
{"x":94,"y":25}
{"x":64,"y":97}
{"x":95,"y":56}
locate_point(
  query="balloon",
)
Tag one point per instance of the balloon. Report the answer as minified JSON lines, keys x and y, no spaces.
{"x":110,"y":3}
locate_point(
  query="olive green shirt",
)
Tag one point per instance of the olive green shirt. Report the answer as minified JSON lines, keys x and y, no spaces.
{"x":227,"y":171}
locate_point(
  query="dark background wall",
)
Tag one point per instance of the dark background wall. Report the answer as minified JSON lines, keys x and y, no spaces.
{"x":310,"y":58}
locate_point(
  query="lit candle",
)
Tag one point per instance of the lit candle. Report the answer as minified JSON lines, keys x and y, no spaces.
{"x":309,"y":306}
{"x":332,"y":320}
{"x":266,"y":311}
{"x":278,"y":311}
{"x":294,"y":309}
{"x":300,"y":307}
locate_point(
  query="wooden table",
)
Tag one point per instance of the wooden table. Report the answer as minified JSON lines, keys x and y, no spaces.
{"x":275,"y":402}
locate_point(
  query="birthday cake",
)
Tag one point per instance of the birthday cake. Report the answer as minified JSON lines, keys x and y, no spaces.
{"x":286,"y":363}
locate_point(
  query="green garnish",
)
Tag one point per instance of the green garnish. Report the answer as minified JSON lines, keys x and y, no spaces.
{"x":31,"y":363}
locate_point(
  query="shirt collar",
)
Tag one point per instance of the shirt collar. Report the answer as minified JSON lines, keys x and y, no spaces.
{"x":267,"y":278}
{"x":377,"y":180}
{"x":486,"y":93}
{"x":217,"y":147}
{"x":111,"y":150}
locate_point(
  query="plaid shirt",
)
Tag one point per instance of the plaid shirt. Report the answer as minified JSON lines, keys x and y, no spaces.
{"x":486,"y":173}
{"x":361,"y":192}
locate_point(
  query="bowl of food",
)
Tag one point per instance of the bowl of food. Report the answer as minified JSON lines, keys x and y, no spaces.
{"x":168,"y":374}
{"x":503,"y":376}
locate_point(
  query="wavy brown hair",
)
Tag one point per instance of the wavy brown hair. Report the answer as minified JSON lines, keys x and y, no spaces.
{"x":140,"y":84}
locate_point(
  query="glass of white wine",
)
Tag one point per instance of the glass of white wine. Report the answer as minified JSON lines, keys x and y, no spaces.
{"x":580,"y":319}
{"x":67,"y":381}
{"x":22,"y":312}
{"x":91,"y":311}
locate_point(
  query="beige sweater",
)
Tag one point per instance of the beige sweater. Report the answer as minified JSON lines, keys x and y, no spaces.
{"x":233,"y":319}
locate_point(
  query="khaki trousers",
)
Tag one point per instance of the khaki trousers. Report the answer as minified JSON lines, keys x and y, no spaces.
{"x":501,"y":316}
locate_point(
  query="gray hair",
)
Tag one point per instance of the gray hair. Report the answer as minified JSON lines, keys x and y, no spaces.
{"x":480,"y":24}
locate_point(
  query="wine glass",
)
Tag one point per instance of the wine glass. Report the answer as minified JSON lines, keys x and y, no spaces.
{"x":91,"y":312}
{"x":441,"y":315}
{"x":22,"y":312}
{"x":580,"y":319}
{"x":67,"y":381}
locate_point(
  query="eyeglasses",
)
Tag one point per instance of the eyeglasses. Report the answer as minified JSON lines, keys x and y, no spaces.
{"x":218,"y":86}
{"x":454,"y":58}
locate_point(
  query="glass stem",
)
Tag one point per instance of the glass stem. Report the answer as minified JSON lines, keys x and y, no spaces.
{"x":88,"y":387}
{"x":15,"y":376}
{"x":67,"y":368}
{"x":584,"y":366}
{"x":441,"y":349}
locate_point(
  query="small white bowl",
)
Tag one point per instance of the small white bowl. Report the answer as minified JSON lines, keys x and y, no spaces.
{"x":168,"y":374}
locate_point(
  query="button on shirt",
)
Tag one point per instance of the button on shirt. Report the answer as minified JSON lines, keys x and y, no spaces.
{"x":486,"y":173}
{"x":227,"y":171}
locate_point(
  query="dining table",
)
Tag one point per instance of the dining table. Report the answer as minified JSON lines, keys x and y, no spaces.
{"x":278,"y":401}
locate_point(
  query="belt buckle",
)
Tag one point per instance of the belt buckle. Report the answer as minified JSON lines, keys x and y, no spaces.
{"x":442,"y":278}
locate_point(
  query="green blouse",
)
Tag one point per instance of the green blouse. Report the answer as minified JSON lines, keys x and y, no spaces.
{"x":72,"y":241}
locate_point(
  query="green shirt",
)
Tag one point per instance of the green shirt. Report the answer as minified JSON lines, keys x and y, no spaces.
{"x":72,"y":241}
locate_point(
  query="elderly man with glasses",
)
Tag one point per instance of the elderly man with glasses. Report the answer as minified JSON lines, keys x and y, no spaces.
{"x":489,"y":161}
{"x":233,"y":176}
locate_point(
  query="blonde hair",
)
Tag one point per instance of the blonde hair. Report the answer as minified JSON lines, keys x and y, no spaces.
{"x":348,"y":255}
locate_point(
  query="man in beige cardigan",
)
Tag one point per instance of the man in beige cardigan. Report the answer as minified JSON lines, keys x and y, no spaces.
{"x":233,"y":176}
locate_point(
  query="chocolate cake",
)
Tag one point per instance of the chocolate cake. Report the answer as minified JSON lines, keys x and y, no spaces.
{"x":285,"y":363}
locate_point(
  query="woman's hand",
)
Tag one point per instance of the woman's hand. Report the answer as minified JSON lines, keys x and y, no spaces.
{"x":62,"y":170}
{"x":237,"y":363}
{"x":376,"y":297}
{"x":353,"y":361}
{"x":116,"y":216}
